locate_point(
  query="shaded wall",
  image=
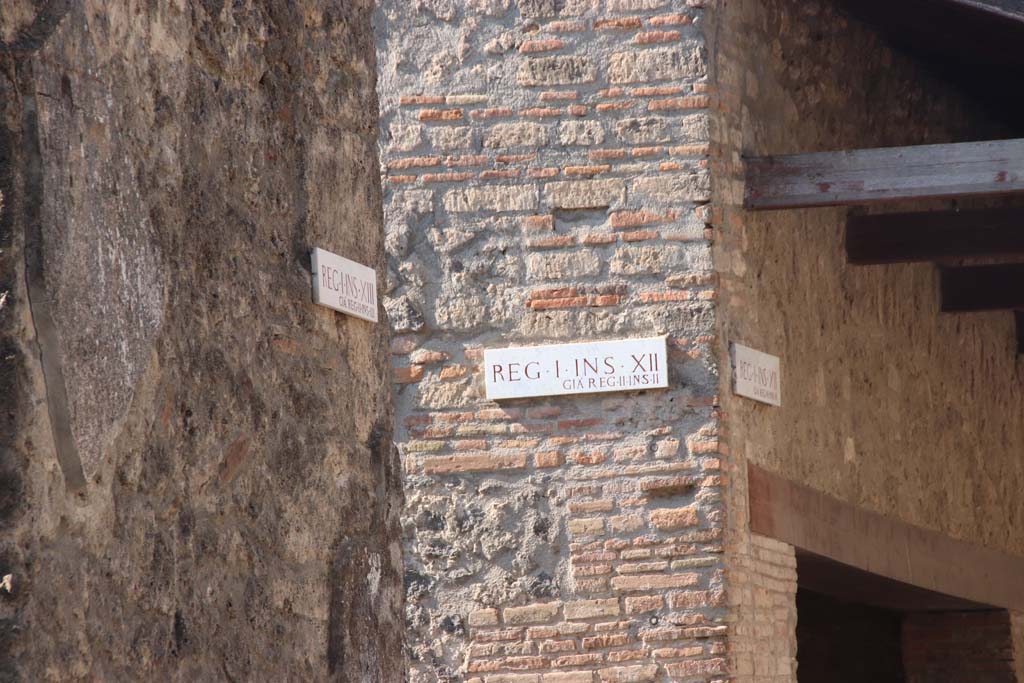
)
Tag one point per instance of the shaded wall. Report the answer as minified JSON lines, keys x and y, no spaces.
{"x":887,"y":404}
{"x":197,"y":464}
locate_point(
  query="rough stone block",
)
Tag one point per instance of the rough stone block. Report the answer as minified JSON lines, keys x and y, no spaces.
{"x":452,"y":138}
{"x":644,"y":673}
{"x":405,"y":137}
{"x":559,"y":266}
{"x":644,"y":130}
{"x":635,"y":260}
{"x":674,"y":518}
{"x":483,"y":617}
{"x":495,"y":198}
{"x":591,"y":526}
{"x":522,"y":134}
{"x":591,"y":609}
{"x":691,"y":187}
{"x":569,"y":677}
{"x":585,"y":194}
{"x":639,"y":66}
{"x":556,"y":70}
{"x":581,"y":133}
{"x":539,"y":613}
{"x":654,"y":582}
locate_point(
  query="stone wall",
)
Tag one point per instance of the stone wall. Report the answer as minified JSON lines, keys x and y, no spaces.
{"x":198,"y":479}
{"x":545,"y":181}
{"x":887,"y":404}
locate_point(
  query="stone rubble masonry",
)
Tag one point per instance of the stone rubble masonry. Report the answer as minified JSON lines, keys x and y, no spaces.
{"x":545,"y":166}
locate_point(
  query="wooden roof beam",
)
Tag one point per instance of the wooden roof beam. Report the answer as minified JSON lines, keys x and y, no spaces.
{"x":933,"y":235}
{"x":886,"y":174}
{"x":982,"y":288}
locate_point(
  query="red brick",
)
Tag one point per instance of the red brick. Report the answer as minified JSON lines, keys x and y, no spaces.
{"x":640,"y":235}
{"x":662,"y":297}
{"x":598,"y":239}
{"x":466,"y":160}
{"x":540,"y":112}
{"x":531,"y":46}
{"x":576,"y":660}
{"x":558,"y":95}
{"x":554,"y":646}
{"x":491,"y":113}
{"x":552,"y":304}
{"x":651,"y":37}
{"x":551,"y":242}
{"x":698,"y":667}
{"x":407,"y":375}
{"x":607,"y":154}
{"x":624,"y":23}
{"x":654,"y":582}
{"x":446,"y":177}
{"x":514,"y":158}
{"x":425,"y":357}
{"x":473,"y":463}
{"x":539,"y":222}
{"x":613,"y":106}
{"x":542,"y":172}
{"x":455,"y":372}
{"x":679,"y":103}
{"x":421,"y":99}
{"x":671,"y":20}
{"x":469,"y":445}
{"x":440,"y":115}
{"x":644,"y":152}
{"x":577,"y":110}
{"x":565,"y":26}
{"x":497,"y":175}
{"x":587,"y":170}
{"x":611,"y":640}
{"x":644,"y":603}
{"x":656,"y":91}
{"x":548,"y":459}
{"x":414,"y":162}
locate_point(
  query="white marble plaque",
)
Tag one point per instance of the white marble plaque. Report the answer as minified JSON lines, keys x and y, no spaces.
{"x":756,"y":375}
{"x":584,"y":368}
{"x":344,"y":285}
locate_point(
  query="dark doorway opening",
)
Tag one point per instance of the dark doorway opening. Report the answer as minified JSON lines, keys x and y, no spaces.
{"x":853,"y":625}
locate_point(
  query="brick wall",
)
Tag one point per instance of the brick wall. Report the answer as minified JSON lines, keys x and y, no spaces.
{"x":545,"y":177}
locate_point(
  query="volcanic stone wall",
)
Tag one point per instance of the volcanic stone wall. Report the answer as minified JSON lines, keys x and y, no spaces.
{"x":545,"y":168}
{"x":197,"y":480}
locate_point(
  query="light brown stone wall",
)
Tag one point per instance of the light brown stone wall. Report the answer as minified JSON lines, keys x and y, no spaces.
{"x":220,"y":499}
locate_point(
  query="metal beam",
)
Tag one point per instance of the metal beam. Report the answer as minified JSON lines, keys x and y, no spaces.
{"x":982,"y":288}
{"x":933,"y":235}
{"x":885,"y":174}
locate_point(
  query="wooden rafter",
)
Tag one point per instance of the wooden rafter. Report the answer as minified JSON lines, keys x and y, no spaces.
{"x":934,"y":235}
{"x":830,"y":528}
{"x":983,"y":288}
{"x":885,"y":174}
